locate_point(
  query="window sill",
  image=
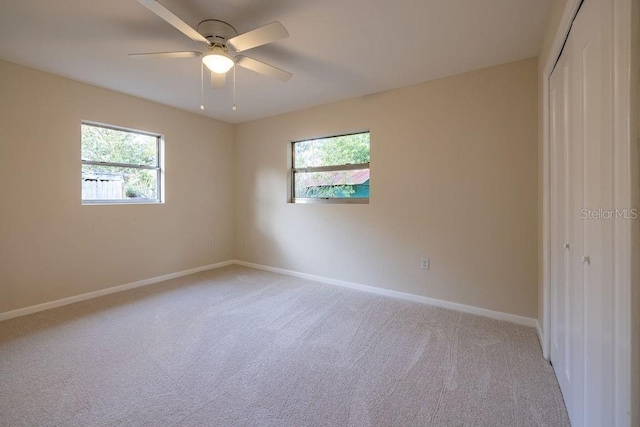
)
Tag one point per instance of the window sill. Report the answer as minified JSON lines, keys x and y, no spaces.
{"x":334,"y":201}
{"x":120,"y":203}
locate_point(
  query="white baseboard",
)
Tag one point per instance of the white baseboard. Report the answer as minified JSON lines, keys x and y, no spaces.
{"x":513,"y":318}
{"x":520,"y":320}
{"x":95,"y":294}
{"x":540,"y":336}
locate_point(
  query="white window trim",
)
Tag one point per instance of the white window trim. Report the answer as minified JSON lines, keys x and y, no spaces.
{"x":159,"y":168}
{"x":324,"y":200}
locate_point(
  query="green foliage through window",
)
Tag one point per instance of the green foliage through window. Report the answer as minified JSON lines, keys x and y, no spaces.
{"x":332,"y":168}
{"x":337,"y":150}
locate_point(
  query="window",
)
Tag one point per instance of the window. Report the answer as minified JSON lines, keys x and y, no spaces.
{"x":331,"y":170}
{"x":120,"y":165}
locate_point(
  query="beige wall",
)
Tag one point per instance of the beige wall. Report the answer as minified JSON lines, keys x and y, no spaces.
{"x":51,"y":246}
{"x":553,"y":21}
{"x":454,"y":178}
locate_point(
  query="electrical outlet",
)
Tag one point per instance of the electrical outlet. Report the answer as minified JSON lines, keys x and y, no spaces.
{"x":424,"y":263}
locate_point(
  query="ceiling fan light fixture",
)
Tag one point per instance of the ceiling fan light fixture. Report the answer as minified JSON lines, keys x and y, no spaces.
{"x":218,"y":60}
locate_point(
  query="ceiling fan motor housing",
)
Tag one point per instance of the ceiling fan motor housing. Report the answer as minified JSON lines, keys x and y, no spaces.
{"x":216,"y":32}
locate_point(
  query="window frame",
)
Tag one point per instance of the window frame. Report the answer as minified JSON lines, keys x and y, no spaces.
{"x":349,"y":166}
{"x":158,"y":167}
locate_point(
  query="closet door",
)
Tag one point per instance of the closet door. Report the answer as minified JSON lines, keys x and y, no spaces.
{"x":593,"y":214}
{"x":582,"y":275}
{"x":561,"y":301}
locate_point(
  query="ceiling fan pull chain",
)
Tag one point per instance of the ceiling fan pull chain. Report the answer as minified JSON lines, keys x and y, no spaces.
{"x":234,"y":88}
{"x":201,"y":85}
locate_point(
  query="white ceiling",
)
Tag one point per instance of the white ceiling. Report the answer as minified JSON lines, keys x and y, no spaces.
{"x":337,"y":49}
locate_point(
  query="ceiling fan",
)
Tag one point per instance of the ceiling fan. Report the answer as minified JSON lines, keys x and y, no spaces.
{"x":221,"y":38}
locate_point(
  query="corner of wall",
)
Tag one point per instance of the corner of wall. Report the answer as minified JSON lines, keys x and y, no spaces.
{"x":234,"y":191}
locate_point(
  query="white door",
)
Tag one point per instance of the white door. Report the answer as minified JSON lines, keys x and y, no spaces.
{"x":582,"y":309}
{"x":561,"y":309}
{"x":592,"y":127}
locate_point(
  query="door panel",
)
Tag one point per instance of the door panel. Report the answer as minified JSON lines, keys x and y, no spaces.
{"x":560,"y":171}
{"x":595,"y":120}
{"x":582,"y":214}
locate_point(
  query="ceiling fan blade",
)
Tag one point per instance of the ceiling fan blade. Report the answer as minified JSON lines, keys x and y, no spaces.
{"x":262,"y":68}
{"x":172,"y":19}
{"x":165,"y":55}
{"x":258,"y":37}
{"x":218,"y":81}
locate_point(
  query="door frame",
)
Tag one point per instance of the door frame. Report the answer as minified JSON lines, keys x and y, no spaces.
{"x":624,"y":169}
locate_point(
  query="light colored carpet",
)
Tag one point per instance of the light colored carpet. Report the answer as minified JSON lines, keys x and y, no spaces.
{"x":242,"y":347}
